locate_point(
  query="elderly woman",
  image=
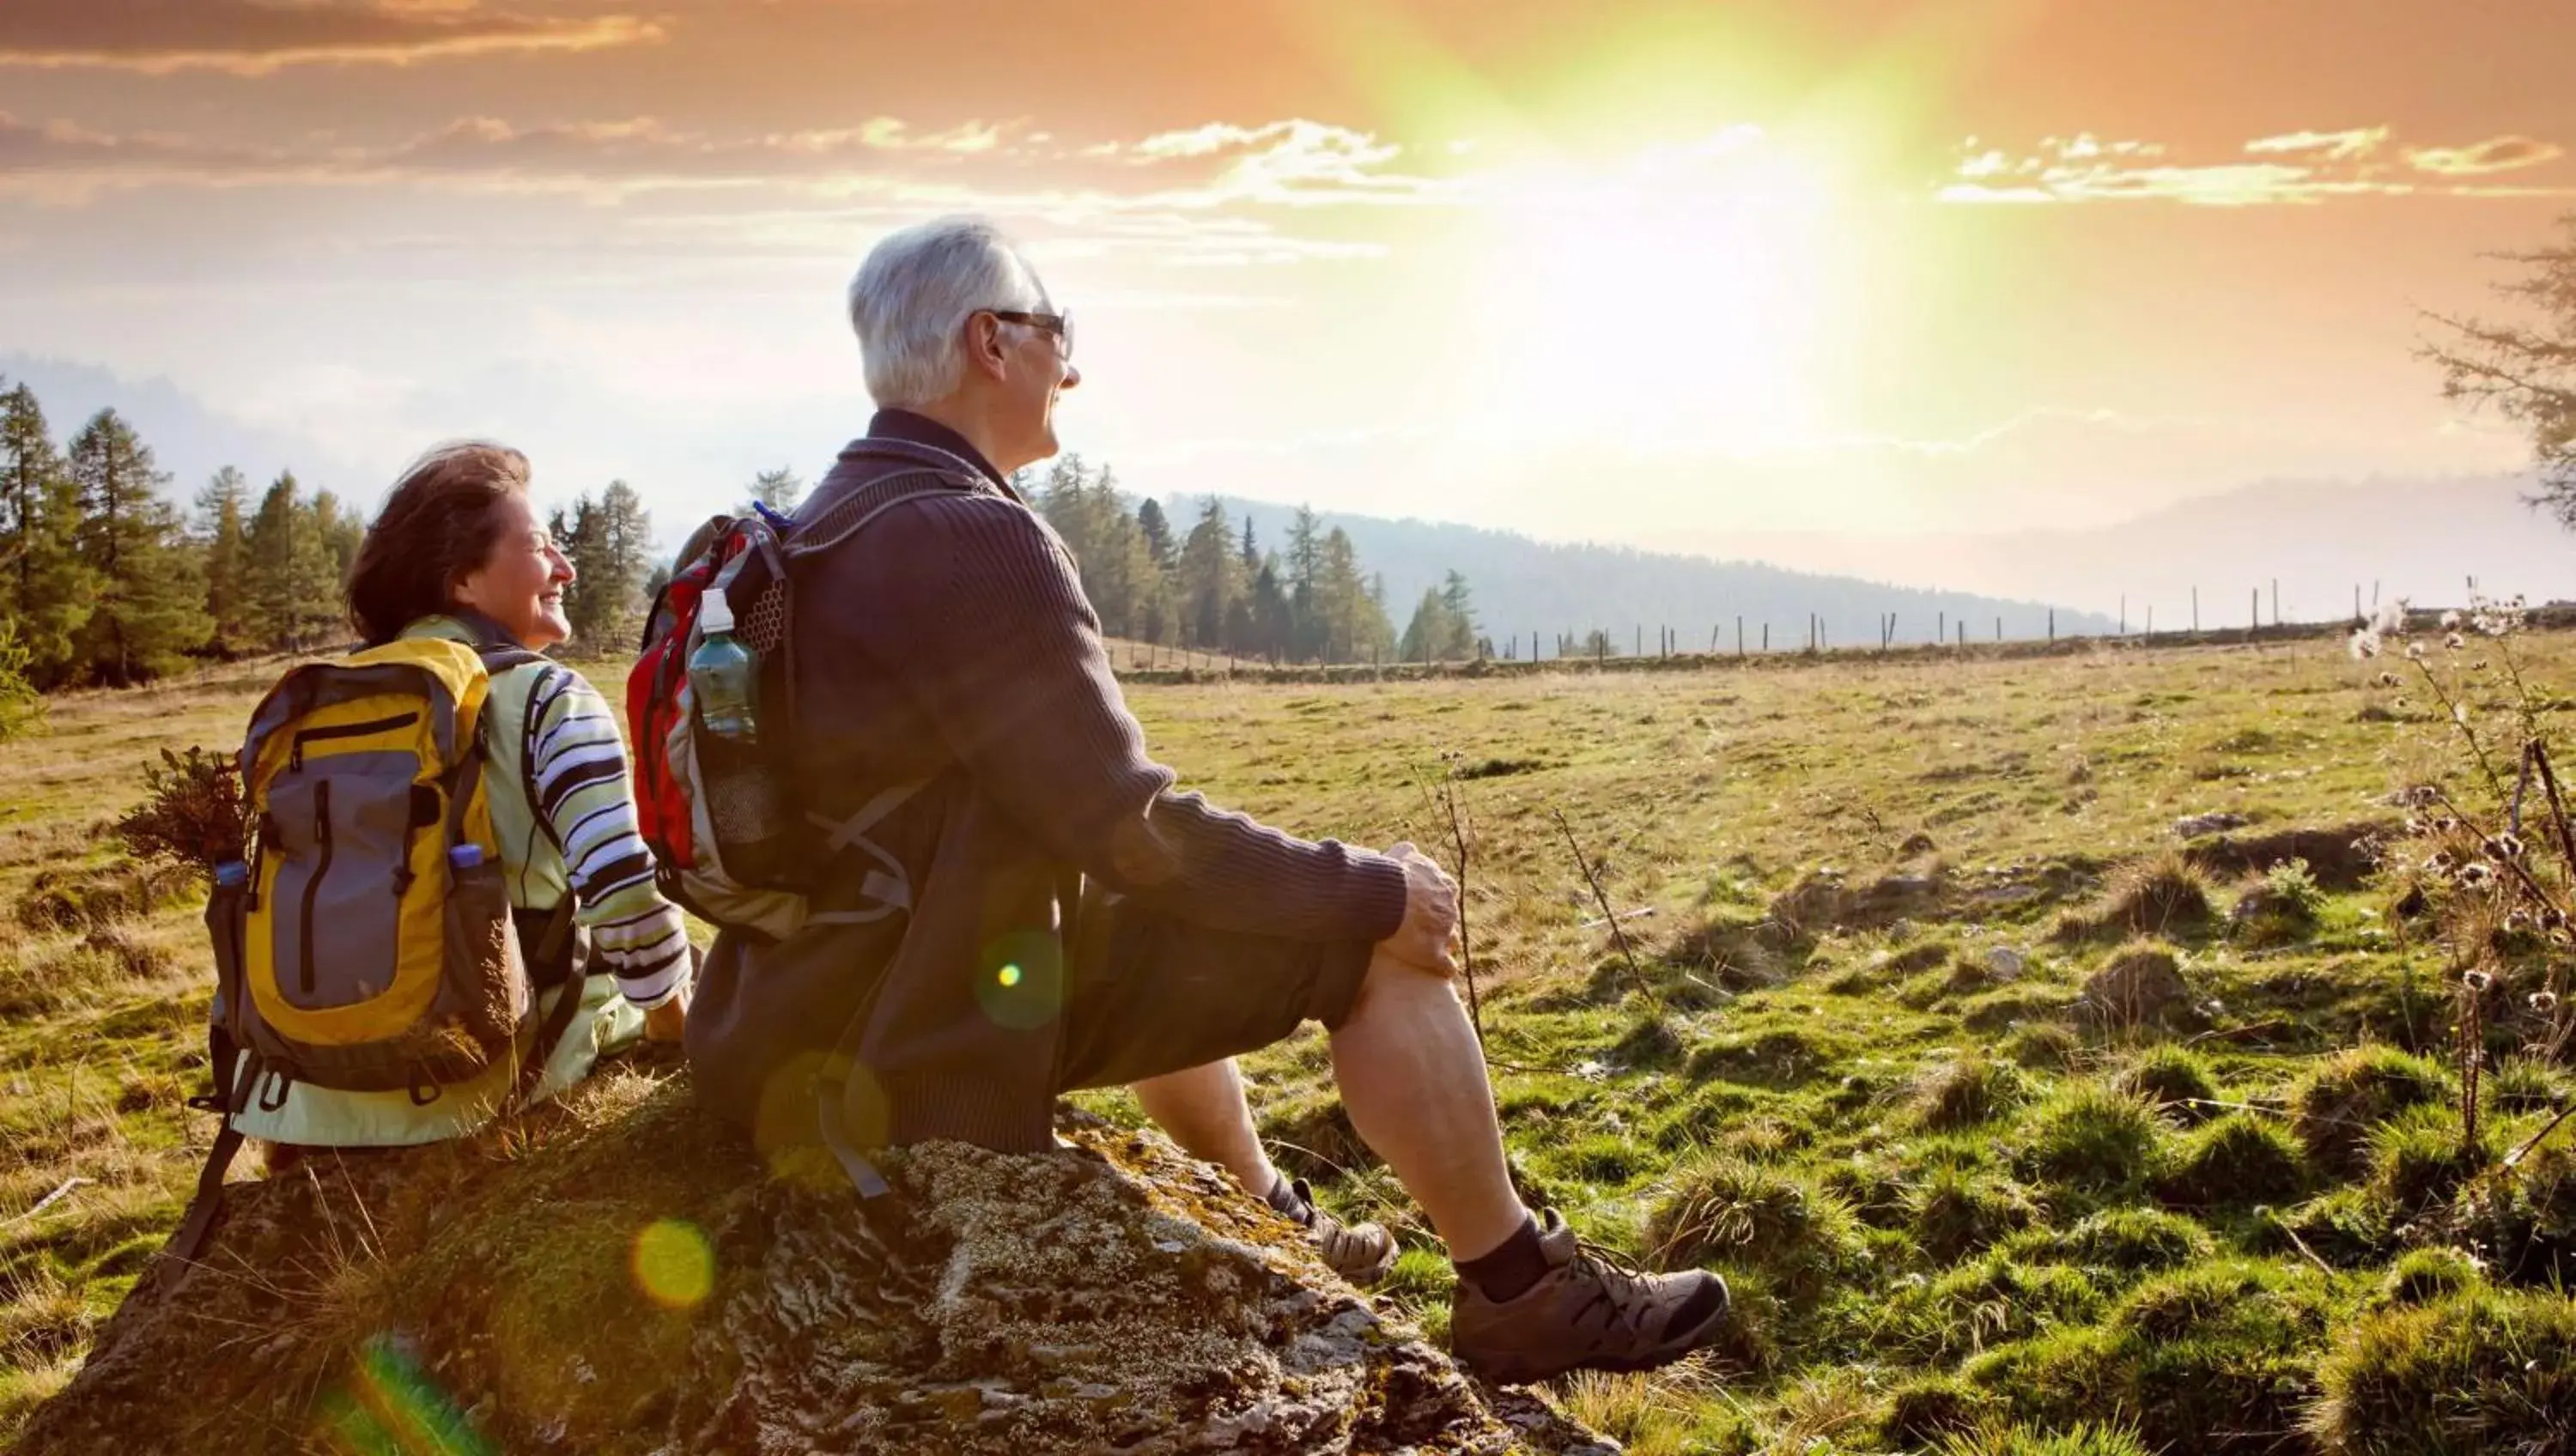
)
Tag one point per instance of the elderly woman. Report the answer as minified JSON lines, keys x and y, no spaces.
{"x":458,"y":552}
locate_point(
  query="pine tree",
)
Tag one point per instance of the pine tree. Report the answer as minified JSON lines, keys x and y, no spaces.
{"x":1305,"y":566}
{"x":44,"y":586}
{"x":1208,"y":578}
{"x":340,"y":532}
{"x":610,"y":544}
{"x":227,"y":556}
{"x":1157,"y":528}
{"x":150,"y":604}
{"x":778,"y":489}
{"x":271,"y":574}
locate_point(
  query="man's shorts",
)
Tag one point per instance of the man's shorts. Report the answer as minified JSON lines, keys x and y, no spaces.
{"x":1147,"y":994}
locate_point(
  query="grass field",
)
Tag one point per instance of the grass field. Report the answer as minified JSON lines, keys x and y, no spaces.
{"x":2228,"y":1202}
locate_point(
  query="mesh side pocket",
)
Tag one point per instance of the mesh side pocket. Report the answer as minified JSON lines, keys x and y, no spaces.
{"x":764,"y":627}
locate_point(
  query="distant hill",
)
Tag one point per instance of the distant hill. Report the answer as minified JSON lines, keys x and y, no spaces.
{"x":2412,"y":537}
{"x":1522,"y":586}
{"x":189,"y":440}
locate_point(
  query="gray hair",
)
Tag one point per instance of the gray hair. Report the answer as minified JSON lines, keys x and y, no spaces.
{"x":916,"y":289}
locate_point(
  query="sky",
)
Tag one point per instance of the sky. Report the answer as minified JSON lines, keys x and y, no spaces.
{"x":1677,"y":275}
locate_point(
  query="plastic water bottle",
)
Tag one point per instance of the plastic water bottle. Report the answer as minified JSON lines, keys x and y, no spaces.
{"x":743,"y":801}
{"x":722,"y":676}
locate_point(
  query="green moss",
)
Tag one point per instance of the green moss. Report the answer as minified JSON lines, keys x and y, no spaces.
{"x":2426,"y":1276}
{"x":2091,"y":1140}
{"x":1744,"y":1215}
{"x":1953,"y":1213}
{"x":2117,"y":1245}
{"x":2418,"y":1159}
{"x":1966,"y":1090}
{"x":2486,"y":1371}
{"x":2176,"y":1079}
{"x":1995,"y":1300}
{"x":1934,"y":1408}
{"x":2238,"y":1161}
{"x":2335,"y":1106}
{"x":2043,"y":1045}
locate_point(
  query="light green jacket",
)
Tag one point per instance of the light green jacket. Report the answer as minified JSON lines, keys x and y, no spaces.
{"x":607,"y":1022}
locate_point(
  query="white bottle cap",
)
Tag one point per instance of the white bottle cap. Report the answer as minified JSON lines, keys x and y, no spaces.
{"x":715,"y":612}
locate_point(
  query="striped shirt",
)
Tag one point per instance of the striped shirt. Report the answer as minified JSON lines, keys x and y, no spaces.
{"x":548,"y":717}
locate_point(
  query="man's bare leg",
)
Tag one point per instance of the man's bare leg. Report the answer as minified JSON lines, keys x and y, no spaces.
{"x":1413,"y":1080}
{"x":1204,"y":1110}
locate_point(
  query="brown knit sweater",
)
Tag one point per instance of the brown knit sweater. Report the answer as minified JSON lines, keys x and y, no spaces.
{"x":950,"y":640}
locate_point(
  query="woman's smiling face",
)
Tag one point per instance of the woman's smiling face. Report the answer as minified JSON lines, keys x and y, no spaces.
{"x":521,"y":582}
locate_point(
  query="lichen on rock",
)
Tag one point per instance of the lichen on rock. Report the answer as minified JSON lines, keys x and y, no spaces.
{"x":503,"y":1294}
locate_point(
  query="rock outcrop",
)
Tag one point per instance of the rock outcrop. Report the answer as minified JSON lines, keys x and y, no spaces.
{"x":619,"y":1275}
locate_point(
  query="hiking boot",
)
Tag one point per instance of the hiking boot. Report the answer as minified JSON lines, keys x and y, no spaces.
{"x":1591,"y":1310}
{"x":1361,"y":1253}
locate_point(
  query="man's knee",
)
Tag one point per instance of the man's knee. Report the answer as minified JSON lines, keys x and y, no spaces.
{"x":1391,"y":984}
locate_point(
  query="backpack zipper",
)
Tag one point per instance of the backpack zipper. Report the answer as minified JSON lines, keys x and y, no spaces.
{"x":295,"y":755}
{"x":313,"y":886}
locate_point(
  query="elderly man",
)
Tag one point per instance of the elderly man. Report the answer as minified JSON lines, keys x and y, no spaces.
{"x":1073,"y":920}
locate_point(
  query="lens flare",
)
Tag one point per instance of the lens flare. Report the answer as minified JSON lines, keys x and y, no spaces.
{"x":1009,"y":976}
{"x":673,"y":1264}
{"x":390,"y":1405}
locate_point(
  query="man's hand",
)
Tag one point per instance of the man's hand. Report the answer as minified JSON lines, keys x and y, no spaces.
{"x":1430,"y":925}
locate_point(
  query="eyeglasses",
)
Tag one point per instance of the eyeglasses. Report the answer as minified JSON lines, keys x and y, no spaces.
{"x":1058,"y":324}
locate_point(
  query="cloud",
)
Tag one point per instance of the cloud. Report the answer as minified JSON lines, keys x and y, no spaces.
{"x":2341,"y":146}
{"x":256,"y":37}
{"x":2495,"y":154}
{"x":2295,"y":168}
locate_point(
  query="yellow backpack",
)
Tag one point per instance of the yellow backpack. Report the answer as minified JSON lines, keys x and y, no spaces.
{"x":366,"y":944}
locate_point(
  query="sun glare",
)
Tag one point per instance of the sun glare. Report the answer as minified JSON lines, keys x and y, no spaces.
{"x":1676,"y":302}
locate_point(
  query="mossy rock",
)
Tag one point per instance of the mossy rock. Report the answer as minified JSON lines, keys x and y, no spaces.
{"x":614,"y":1273}
{"x":2477,"y":1374}
{"x":2238,"y":1161}
{"x":2350,"y":1092}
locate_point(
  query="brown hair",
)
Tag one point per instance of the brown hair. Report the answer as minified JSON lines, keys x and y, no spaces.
{"x":438,"y":524}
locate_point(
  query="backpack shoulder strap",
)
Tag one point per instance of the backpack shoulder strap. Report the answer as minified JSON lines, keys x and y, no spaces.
{"x":554,"y":943}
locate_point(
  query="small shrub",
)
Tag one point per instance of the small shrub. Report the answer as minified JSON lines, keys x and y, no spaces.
{"x":2352,"y":1091}
{"x":1965,"y":1091}
{"x":2175,"y":1079}
{"x":2281,"y":909}
{"x":2426,"y":1276}
{"x":192,"y":812}
{"x":2479,"y":1372}
{"x":2091,"y":1139}
{"x":2239,"y":1160}
{"x":1798,"y":1236}
{"x":1953,"y":1213}
{"x":2522,"y":1219}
